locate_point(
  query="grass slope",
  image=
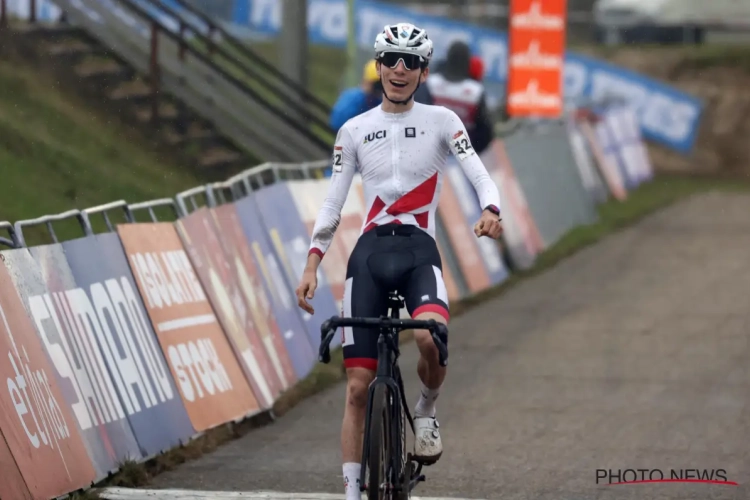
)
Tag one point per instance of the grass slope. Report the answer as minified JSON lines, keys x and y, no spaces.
{"x":56,"y":155}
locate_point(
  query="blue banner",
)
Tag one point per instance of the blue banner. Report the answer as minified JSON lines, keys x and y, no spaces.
{"x":666,"y":114}
{"x":278,"y":290}
{"x":108,"y":299}
{"x":290,"y":240}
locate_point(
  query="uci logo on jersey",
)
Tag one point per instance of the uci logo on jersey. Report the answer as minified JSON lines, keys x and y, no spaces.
{"x":374,"y":136}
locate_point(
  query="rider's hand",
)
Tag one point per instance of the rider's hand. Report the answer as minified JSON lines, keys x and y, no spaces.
{"x":308,"y":284}
{"x":488,"y":225}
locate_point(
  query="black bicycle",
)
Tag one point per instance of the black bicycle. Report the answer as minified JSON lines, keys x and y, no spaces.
{"x":393,"y":473}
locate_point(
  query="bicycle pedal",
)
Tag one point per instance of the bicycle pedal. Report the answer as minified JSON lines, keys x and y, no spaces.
{"x":425,"y":462}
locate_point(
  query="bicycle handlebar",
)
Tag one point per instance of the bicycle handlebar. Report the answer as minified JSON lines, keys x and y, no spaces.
{"x":438,"y":331}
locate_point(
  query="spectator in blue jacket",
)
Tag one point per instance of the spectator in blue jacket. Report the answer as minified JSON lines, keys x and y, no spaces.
{"x":357,"y":100}
{"x":366,"y":96}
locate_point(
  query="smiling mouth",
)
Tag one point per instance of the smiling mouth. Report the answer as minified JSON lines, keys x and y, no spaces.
{"x":398,"y":83}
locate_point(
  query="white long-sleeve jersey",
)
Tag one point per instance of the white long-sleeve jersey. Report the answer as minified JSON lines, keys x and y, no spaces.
{"x":400,"y":157}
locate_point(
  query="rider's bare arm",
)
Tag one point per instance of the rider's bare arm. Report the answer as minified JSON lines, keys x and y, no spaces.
{"x":343,"y":169}
{"x":457,"y":139}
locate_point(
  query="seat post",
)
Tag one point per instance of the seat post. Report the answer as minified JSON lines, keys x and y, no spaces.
{"x":395,"y":304}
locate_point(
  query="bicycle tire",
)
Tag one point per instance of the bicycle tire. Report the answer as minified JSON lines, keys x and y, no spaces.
{"x":379,"y":449}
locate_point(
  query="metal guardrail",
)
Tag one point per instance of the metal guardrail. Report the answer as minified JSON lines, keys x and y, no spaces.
{"x":151,"y":205}
{"x":8,"y":242}
{"x":47,"y":220}
{"x":103,"y":209}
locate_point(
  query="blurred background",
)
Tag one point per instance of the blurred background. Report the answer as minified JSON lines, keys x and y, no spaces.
{"x":204,"y":88}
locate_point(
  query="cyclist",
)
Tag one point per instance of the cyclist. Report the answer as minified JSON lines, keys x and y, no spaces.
{"x":399,"y":148}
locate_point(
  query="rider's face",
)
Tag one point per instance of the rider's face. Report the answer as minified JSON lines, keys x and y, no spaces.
{"x":399,"y":83}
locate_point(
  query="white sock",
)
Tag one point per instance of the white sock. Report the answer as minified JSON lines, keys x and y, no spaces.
{"x":426,"y":404}
{"x":351,"y":481}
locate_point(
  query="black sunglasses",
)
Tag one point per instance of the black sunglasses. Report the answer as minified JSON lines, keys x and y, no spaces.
{"x":391,"y":59}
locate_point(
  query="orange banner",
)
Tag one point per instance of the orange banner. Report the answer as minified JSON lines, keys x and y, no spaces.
{"x":36,"y":422}
{"x":536,"y":58}
{"x":249,"y":280}
{"x":208,"y":376}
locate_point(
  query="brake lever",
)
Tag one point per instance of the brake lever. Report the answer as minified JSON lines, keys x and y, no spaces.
{"x":326,"y":335}
{"x":440,"y":336}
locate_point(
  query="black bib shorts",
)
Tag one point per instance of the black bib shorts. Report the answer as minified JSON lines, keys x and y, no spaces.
{"x":392,"y":257}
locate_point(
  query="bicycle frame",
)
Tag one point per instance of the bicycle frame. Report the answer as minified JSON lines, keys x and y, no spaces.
{"x":388,"y":373}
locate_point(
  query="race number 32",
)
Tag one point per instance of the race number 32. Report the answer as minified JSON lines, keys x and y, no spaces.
{"x":462,"y":148}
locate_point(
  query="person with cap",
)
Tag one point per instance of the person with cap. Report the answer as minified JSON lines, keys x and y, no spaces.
{"x":457,"y":87}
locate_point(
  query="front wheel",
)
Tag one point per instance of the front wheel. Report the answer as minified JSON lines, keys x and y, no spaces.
{"x":378,"y":461}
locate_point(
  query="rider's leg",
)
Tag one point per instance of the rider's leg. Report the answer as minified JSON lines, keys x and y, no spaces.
{"x":426,"y":298}
{"x":430,"y":372}
{"x":362,"y":298}
{"x":352,"y":428}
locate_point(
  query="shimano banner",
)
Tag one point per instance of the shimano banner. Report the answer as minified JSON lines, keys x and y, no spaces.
{"x":108,"y":298}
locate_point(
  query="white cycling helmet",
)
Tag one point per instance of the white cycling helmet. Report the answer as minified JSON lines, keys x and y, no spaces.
{"x":405,"y":38}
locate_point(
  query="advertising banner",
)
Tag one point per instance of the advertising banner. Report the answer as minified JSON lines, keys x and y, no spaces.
{"x":537,"y":54}
{"x":462,"y":239}
{"x":550,"y":181}
{"x":73,"y":353}
{"x":278,"y":289}
{"x":215,"y":273}
{"x":308,"y":196}
{"x":597,"y":136}
{"x":106,"y":298}
{"x":36,"y":423}
{"x":590,"y":177}
{"x":468,"y":202}
{"x":249,"y":280}
{"x":211,"y":383}
{"x":291,"y":242}
{"x":522,"y":235}
{"x":630,"y":151}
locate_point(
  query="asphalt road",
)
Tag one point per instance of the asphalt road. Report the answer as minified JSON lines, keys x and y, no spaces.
{"x":632,"y":354}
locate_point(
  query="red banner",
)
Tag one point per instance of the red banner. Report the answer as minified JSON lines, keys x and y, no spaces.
{"x":215,"y":273}
{"x":244,"y":268}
